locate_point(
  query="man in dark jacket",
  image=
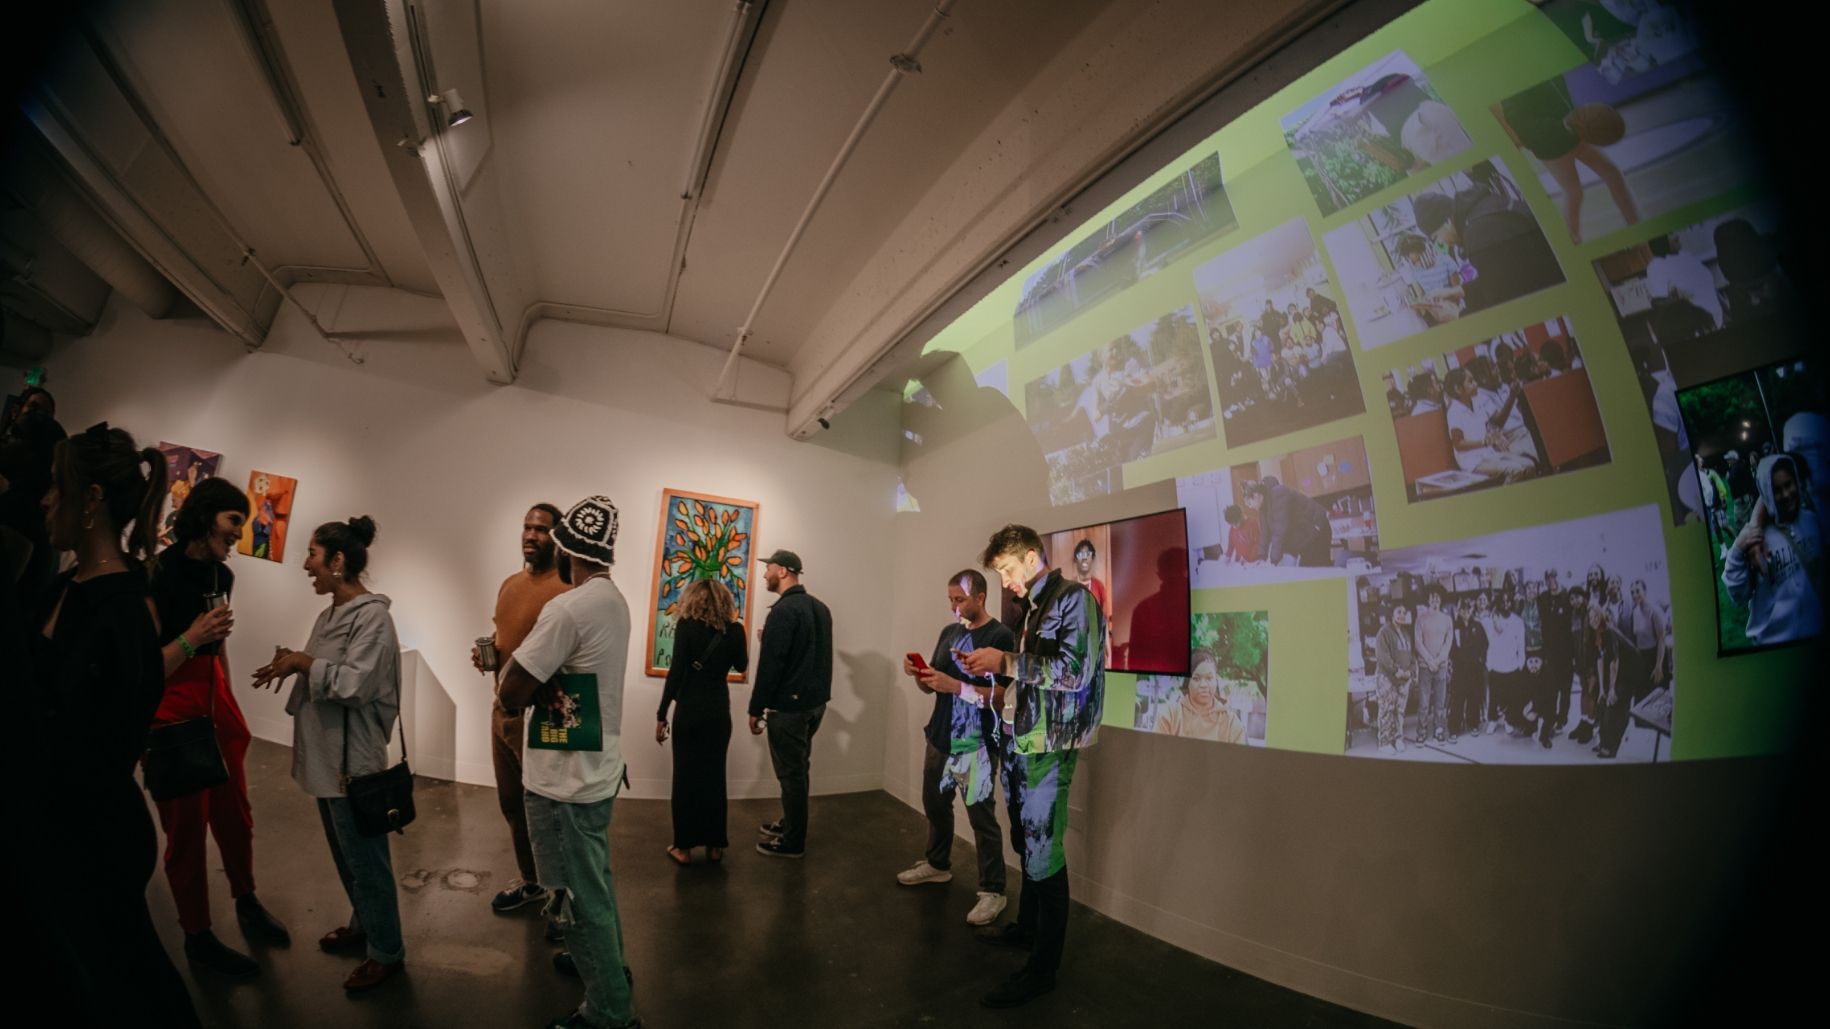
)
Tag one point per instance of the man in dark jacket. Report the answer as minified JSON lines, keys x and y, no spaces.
{"x":793,"y":684}
{"x":1291,"y":523}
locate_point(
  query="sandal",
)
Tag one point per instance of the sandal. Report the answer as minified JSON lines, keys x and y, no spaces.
{"x":679,"y":857}
{"x":343,"y":938}
{"x":714,"y":854}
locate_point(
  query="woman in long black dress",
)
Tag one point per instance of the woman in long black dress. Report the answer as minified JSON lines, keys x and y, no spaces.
{"x":708,"y":643}
{"x":99,"y":677}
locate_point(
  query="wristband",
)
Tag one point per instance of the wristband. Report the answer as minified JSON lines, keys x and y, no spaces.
{"x":185,"y":645}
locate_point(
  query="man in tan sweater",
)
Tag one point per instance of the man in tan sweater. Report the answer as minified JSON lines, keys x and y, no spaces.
{"x":518,"y":604}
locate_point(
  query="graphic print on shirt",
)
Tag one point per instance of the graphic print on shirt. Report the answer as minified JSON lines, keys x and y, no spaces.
{"x":572,"y":721}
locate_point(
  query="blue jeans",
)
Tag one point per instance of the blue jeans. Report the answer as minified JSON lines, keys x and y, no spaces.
{"x":367,"y":871}
{"x":572,"y":853}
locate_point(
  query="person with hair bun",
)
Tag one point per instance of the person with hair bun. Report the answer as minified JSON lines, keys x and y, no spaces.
{"x":191,"y":589}
{"x":343,"y":705}
{"x":93,"y":665}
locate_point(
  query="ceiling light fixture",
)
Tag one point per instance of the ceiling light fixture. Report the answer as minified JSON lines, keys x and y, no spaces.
{"x":455,"y":112}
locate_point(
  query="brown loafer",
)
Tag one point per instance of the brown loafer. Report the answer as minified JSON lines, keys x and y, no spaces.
{"x":343,"y":938}
{"x":371,"y":974}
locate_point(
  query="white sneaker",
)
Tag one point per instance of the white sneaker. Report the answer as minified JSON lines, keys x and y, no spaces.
{"x":921,"y":872}
{"x":987,"y":910}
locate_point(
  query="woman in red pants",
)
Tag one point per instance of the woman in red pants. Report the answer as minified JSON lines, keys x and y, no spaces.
{"x":191,"y":591}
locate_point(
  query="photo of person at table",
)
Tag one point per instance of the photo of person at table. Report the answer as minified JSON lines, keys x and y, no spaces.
{"x":1710,"y":299}
{"x":1536,"y":672}
{"x":1458,"y":246}
{"x":1515,"y":407}
{"x":1303,"y":515}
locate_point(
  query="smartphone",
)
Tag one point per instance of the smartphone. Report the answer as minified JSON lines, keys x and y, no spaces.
{"x":921,"y":665}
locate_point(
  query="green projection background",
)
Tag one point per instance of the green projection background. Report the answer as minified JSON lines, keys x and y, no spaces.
{"x":1523,"y":104}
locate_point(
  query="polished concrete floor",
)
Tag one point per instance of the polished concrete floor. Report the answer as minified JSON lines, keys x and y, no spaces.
{"x":828,"y":941}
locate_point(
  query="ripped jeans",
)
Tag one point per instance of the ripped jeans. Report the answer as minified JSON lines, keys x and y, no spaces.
{"x":572,"y":852}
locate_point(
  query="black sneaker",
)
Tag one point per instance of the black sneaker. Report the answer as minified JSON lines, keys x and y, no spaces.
{"x":774,"y":847}
{"x":205,"y":949}
{"x":1020,"y":988}
{"x":1010,"y":934}
{"x":519,"y":892}
{"x":773,"y":829}
{"x":257,"y":923}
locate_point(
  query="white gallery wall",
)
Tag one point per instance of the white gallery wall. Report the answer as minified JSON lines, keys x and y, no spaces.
{"x":447,"y":464}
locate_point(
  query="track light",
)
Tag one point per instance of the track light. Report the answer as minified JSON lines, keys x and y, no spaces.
{"x":455,"y":112}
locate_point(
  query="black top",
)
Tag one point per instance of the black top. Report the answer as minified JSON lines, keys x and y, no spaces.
{"x":1538,"y":117}
{"x":939,"y":731}
{"x":100,"y":679}
{"x":696,"y":679}
{"x":794,"y":672}
{"x":1502,"y":240}
{"x":1292,"y":522}
{"x":180,"y":582}
{"x":1554,"y":622}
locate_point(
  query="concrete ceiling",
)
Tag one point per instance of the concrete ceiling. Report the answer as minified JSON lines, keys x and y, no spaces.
{"x":566,"y":189}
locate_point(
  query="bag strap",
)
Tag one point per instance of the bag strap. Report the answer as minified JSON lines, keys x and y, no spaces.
{"x":717,"y":638}
{"x":400,"y":722}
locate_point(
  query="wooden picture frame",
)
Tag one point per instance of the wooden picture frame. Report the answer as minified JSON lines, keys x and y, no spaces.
{"x":697,"y":533}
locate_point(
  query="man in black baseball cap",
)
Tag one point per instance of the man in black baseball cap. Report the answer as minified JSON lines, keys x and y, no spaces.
{"x":793,"y":683}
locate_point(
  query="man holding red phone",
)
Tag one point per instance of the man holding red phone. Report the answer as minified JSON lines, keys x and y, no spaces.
{"x":962,"y":746}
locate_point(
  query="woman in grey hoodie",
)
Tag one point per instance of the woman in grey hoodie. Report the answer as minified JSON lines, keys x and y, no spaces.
{"x":1775,"y":566}
{"x":343,"y":704}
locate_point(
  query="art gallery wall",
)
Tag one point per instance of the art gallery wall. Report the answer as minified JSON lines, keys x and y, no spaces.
{"x":1439,"y":888}
{"x":447,"y":464}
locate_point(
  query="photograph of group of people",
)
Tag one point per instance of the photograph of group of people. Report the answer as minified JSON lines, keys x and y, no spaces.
{"x":1613,"y":153}
{"x":1459,"y":245}
{"x":1372,"y":131}
{"x":1225,"y":696}
{"x":1143,"y":393}
{"x":1518,"y":406}
{"x":1707,"y":300}
{"x":1624,"y":38}
{"x":1123,"y":251}
{"x":1279,"y":345}
{"x":1307,"y":514}
{"x":1552,"y":644}
{"x":1761,"y":441}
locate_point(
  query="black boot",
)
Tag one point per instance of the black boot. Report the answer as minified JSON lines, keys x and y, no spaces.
{"x":258,"y":923}
{"x":205,"y":949}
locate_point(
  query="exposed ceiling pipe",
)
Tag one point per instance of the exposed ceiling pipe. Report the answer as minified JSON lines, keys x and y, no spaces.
{"x":903,"y":63}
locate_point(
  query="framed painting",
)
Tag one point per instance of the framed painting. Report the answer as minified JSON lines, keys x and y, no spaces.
{"x":700,"y":537}
{"x":185,"y":467}
{"x":264,"y":536}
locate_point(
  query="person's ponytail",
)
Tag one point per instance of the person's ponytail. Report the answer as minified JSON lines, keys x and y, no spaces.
{"x":144,"y":539}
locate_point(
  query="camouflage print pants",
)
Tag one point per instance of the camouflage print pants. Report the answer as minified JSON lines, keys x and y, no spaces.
{"x":1036,"y":790}
{"x":1391,"y":698}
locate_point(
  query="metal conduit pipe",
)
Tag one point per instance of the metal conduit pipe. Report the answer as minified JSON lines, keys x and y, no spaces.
{"x":903,"y":63}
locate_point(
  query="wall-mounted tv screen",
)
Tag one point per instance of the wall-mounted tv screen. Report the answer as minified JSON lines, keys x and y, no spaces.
{"x":1137,"y":569}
